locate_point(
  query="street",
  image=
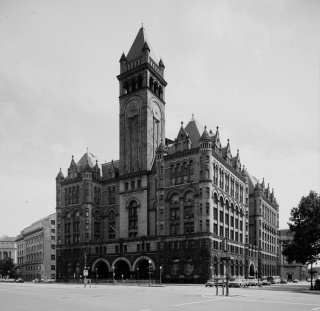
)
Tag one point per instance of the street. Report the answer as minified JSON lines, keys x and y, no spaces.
{"x":29,"y":296}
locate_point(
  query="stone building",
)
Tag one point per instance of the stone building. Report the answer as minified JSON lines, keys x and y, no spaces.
{"x":172,"y":206}
{"x":8,"y":248}
{"x":289,"y":271}
{"x":36,"y":247}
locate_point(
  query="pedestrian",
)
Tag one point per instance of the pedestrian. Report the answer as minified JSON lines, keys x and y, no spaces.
{"x":85,"y":281}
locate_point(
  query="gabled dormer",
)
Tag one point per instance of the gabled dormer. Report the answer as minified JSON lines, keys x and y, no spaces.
{"x":216,"y":144}
{"x":226,"y":153}
{"x":73,"y":169}
{"x":96,"y":171}
{"x":182,"y":142}
{"x":236,"y":162}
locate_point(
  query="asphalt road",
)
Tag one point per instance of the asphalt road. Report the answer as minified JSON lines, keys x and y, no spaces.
{"x":29,"y":296}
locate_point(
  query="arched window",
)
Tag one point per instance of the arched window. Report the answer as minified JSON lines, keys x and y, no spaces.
{"x":133,"y":85}
{"x":133,"y":218}
{"x":140,"y":79}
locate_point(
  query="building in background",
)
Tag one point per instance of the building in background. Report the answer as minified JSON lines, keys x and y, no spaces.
{"x":36,"y":246}
{"x":8,"y":248}
{"x":289,"y":271}
{"x":184,"y":208}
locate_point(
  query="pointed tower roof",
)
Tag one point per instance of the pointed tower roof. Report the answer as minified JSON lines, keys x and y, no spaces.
{"x":205,"y":135}
{"x":139,"y":44}
{"x":123,"y":57}
{"x":162,"y":148}
{"x":60,"y":175}
{"x":194,"y":130}
{"x":86,"y":159}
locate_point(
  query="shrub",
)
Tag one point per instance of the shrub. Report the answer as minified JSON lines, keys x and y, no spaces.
{"x":317,"y":284}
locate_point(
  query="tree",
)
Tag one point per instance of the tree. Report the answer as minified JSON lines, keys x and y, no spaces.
{"x":7,"y":267}
{"x":304,"y":248}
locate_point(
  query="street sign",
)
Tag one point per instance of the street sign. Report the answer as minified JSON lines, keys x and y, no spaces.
{"x":85,"y":272}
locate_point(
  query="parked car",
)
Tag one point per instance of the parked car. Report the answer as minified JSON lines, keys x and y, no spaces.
{"x":283,"y":281}
{"x":252,"y":282}
{"x":274,"y":279}
{"x":265,"y":281}
{"x":238,"y":283}
{"x":210,"y":283}
{"x":295,"y":281}
{"x":19,"y":280}
{"x":9,"y":280}
{"x":50,"y":280}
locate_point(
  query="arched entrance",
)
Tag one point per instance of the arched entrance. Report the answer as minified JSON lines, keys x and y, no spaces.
{"x":142,"y":269}
{"x":251,"y":271}
{"x":101,"y":270}
{"x":121,"y":270}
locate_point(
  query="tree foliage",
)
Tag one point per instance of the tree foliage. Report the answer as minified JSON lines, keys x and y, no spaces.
{"x":305,"y":246}
{"x":7,"y":267}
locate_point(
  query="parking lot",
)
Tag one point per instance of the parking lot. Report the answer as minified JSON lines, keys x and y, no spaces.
{"x":30,"y":296}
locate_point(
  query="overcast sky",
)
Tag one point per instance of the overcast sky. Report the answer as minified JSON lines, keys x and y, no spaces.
{"x":249,"y":67}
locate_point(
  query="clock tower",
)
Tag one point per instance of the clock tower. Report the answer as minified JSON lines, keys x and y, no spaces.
{"x":142,"y":106}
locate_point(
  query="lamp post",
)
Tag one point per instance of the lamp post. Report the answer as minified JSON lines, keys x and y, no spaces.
{"x":160,"y":273}
{"x":113,"y":274}
{"x":210,"y":272}
{"x":138,"y":274}
{"x":149,"y":272}
{"x":97,"y":275}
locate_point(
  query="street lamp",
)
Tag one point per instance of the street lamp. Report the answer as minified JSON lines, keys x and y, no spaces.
{"x":138,"y":274}
{"x":97,"y":275}
{"x":122,"y":277}
{"x":149,"y":272}
{"x":113,"y":273}
{"x":160,"y":273}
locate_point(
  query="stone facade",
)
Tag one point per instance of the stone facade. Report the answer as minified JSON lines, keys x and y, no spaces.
{"x":37,"y":250}
{"x":176,"y":207}
{"x":8,"y":248}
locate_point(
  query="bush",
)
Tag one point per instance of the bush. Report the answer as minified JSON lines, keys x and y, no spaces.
{"x":317,"y":284}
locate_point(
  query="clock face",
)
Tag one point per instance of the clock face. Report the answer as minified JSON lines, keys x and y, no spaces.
{"x":132,"y":108}
{"x":156,"y":112}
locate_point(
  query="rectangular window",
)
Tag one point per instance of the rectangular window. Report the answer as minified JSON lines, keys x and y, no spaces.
{"x":221,"y":230}
{"x":53,"y":222}
{"x":221,"y":216}
{"x":215,"y":213}
{"x":215,"y":228}
{"x":53,"y":267}
{"x":53,"y":257}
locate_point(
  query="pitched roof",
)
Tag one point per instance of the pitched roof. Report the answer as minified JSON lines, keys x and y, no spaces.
{"x":86,"y":159}
{"x":138,"y":44}
{"x":194,"y":130}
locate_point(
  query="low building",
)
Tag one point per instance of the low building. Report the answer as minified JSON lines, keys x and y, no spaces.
{"x":8,"y":248}
{"x":36,"y":246}
{"x":289,"y":271}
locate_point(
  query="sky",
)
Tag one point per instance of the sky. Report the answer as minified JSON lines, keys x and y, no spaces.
{"x":250,"y":67}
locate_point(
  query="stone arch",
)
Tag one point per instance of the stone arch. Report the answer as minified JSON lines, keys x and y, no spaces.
{"x":99,"y":260}
{"x":172,"y":192}
{"x":131,"y":200}
{"x":252,"y":268}
{"x":143,"y":258}
{"x":122,"y":259}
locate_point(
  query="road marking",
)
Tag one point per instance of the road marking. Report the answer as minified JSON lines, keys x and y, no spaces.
{"x":194,"y":302}
{"x":145,"y":310}
{"x":315,"y":309}
{"x":283,"y":302}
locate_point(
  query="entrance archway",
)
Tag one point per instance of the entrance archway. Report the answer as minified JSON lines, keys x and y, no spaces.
{"x":251,"y":272}
{"x":101,"y":270}
{"x":121,"y":270}
{"x":142,"y":269}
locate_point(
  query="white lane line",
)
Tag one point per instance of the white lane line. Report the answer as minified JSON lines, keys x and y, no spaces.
{"x":194,"y":302}
{"x":280,"y":302}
